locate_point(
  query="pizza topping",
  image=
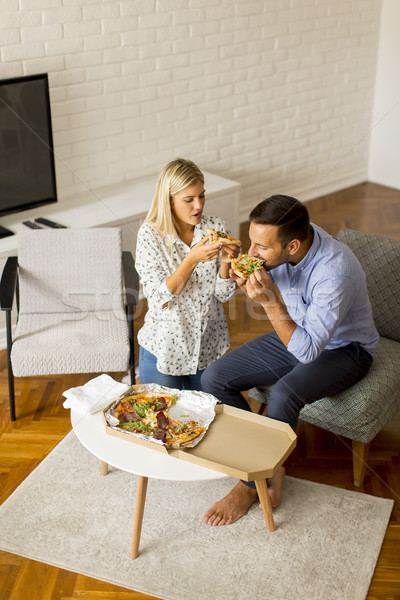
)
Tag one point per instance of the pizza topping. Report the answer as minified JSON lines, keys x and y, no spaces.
{"x":159,"y":404}
{"x":250,"y":262}
{"x":221,"y":236}
{"x":138,"y":426}
{"x":129,"y":416}
{"x":162,"y":420}
{"x":160,"y":434}
{"x":142,"y":414}
{"x":245,"y":265}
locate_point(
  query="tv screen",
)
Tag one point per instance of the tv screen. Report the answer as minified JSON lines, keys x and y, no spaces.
{"x":27,"y":173}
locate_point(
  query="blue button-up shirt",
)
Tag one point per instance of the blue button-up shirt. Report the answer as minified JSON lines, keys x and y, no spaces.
{"x":326,"y":296}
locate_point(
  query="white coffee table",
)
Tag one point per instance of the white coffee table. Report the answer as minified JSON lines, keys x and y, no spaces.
{"x":139,"y":460}
{"x":267,"y":442}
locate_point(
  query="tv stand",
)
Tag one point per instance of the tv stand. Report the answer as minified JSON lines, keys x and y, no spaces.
{"x":5,"y":232}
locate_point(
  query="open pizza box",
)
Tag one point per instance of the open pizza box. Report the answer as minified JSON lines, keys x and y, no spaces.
{"x":239,"y":443}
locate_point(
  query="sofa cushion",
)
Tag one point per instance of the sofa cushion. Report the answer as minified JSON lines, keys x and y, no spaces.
{"x":58,"y":343}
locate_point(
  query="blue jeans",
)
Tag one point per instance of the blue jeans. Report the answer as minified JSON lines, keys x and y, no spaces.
{"x":266,"y":361}
{"x":148,"y":373}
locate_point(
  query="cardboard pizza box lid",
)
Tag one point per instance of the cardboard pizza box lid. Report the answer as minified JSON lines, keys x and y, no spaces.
{"x":242,"y":444}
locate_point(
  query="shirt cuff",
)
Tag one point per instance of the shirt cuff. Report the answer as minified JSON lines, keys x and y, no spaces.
{"x":164,"y":293}
{"x":298,"y":342}
{"x":224,"y":288}
{"x":229,"y":280}
{"x":226,"y":283}
{"x":302,"y":346}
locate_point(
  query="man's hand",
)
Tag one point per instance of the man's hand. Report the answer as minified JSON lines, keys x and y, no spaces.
{"x":260,"y":288}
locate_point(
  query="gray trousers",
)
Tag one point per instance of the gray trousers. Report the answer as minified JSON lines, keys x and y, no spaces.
{"x":266,"y":360}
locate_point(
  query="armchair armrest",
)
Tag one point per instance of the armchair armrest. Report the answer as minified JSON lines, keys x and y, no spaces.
{"x":8,"y":283}
{"x":131,"y":279}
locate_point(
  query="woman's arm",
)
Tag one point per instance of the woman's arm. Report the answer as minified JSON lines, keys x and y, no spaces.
{"x":151,"y":263}
{"x":201,"y":252}
{"x":227,"y":253}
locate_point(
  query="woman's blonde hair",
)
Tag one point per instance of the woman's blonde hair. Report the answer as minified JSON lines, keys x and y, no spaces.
{"x":176,"y":176}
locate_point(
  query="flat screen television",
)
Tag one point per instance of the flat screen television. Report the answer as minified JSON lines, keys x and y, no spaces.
{"x":27,"y":171}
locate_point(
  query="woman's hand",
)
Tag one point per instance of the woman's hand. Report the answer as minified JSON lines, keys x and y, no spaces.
{"x":203,"y":252}
{"x":229,"y":251}
{"x":200,"y":252}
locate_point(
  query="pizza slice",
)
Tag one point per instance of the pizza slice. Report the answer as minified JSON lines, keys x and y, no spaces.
{"x":184,"y":432}
{"x":146,"y":414}
{"x":245,"y":265}
{"x":221,"y":236}
{"x":142,"y":404}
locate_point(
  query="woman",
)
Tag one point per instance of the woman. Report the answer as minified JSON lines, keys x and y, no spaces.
{"x":185,"y":280}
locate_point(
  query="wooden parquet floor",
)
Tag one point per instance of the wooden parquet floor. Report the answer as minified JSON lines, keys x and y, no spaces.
{"x":320,"y":456}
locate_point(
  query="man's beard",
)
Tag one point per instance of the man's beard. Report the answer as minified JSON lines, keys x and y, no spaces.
{"x":281,"y":260}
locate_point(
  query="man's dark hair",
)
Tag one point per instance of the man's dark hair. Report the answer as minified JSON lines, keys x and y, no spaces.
{"x":289,"y":214}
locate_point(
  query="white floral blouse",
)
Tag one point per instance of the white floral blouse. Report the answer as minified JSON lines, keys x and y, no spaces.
{"x":186,"y":331}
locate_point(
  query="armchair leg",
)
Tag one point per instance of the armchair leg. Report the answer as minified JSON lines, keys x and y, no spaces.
{"x":129,"y":315}
{"x":261,"y":408}
{"x":360,"y":457}
{"x":11,"y":391}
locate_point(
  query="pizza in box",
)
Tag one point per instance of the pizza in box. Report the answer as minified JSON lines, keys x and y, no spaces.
{"x":173,"y":418}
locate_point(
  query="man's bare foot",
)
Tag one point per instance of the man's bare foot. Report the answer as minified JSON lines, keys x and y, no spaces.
{"x":275,"y":487}
{"x":233,"y":506}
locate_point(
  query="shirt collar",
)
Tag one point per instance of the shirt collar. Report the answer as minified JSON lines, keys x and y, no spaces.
{"x":309,"y":257}
{"x":197,"y":235}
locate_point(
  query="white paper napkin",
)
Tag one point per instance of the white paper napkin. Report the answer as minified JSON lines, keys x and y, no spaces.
{"x":95,"y":395}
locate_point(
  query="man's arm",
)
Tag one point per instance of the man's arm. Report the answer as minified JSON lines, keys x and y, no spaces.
{"x":331,"y":300}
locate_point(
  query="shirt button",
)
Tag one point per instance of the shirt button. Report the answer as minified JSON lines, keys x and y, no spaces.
{"x":292,"y":289}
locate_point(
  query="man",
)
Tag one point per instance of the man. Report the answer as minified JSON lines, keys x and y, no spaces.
{"x":313,"y":290}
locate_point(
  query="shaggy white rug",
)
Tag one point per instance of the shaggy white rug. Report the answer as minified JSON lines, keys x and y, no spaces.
{"x":65,"y":514}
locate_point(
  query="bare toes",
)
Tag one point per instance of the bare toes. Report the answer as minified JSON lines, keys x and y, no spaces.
{"x":232,"y":507}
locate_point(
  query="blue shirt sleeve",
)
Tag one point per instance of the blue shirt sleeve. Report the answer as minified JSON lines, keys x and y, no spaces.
{"x":330,"y":302}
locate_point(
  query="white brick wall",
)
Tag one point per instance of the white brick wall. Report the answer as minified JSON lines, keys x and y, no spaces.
{"x":274,"y":94}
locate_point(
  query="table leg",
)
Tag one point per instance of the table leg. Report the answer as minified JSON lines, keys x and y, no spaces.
{"x":262,"y":490}
{"x":138,"y":518}
{"x":103,"y":468}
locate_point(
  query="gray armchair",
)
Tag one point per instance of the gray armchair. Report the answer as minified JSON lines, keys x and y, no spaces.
{"x":360,"y":412}
{"x":75,"y":290}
